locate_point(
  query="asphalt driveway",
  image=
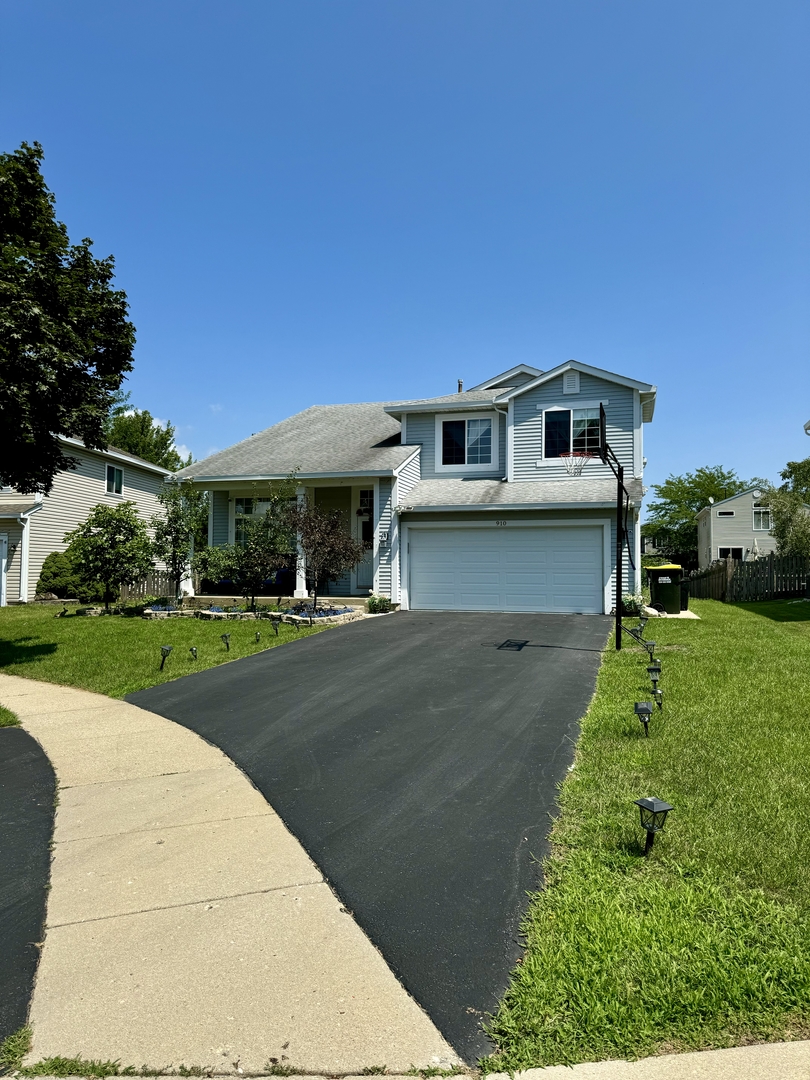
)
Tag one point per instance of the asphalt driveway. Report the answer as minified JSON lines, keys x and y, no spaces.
{"x":416,"y":757}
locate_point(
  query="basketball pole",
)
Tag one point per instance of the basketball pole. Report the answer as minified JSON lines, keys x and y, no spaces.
{"x":619,"y":552}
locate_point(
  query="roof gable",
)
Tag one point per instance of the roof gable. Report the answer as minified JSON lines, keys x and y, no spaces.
{"x":515,"y":376}
{"x":646,"y":390}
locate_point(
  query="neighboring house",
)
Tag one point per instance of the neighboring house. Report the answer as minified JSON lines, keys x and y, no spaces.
{"x":463,"y":501}
{"x":738,"y":528}
{"x":32,"y":526}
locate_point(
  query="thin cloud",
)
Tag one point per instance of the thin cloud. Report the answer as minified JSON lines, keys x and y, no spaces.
{"x":215,"y":408}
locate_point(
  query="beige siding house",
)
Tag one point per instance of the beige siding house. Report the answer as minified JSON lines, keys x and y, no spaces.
{"x":738,"y":528}
{"x":32,"y":526}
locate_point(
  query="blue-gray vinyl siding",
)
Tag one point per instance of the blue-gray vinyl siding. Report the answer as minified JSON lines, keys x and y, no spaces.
{"x":219,"y":526}
{"x":384,"y":522}
{"x":409,"y":476}
{"x":528,"y":426}
{"x":420,"y":430}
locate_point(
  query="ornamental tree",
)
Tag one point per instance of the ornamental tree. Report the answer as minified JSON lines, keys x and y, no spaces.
{"x":328,"y":549}
{"x":65,"y":339}
{"x":111,"y":547}
{"x":185,"y":517}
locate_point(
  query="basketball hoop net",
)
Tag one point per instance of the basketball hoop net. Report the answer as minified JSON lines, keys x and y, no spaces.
{"x":576,"y":460}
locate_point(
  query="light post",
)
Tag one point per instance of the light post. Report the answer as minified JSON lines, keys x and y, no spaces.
{"x":226,"y":640}
{"x":258,"y":636}
{"x":653,"y":818}
{"x":164,"y":652}
{"x":654,"y":671}
{"x":193,"y":651}
{"x":643,"y":710}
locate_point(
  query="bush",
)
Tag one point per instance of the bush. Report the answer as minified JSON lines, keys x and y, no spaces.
{"x":59,"y":576}
{"x":378,"y":604}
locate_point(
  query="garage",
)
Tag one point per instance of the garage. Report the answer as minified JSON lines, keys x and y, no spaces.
{"x":507,"y":567}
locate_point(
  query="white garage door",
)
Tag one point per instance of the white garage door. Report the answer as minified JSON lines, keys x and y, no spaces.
{"x":491,"y":568}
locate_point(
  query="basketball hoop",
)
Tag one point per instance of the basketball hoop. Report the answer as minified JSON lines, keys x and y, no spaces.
{"x":576,"y":460}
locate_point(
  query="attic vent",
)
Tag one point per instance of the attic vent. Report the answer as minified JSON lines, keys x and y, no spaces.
{"x":571,"y":382}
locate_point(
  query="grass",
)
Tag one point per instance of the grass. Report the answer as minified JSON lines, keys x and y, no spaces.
{"x":8,"y":718}
{"x":707,"y":942}
{"x":116,"y":656}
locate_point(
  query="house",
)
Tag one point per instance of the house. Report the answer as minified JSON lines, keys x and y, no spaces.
{"x":32,"y":526}
{"x":738,"y":528}
{"x":463,"y":502}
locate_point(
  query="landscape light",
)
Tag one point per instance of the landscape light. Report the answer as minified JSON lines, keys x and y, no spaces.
{"x":653,"y":818}
{"x":164,"y":652}
{"x":650,"y":647}
{"x":654,"y":671}
{"x":274,"y":621}
{"x":642,"y":622}
{"x":258,"y":637}
{"x":226,"y":639}
{"x":643,"y":710}
{"x":193,"y":651}
{"x":659,"y":697}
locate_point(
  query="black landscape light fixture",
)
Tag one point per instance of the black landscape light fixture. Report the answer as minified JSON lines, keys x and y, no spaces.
{"x":659,"y":697}
{"x":650,"y":647}
{"x":654,"y":671}
{"x":653,"y":818}
{"x":642,"y":622}
{"x":226,"y":640}
{"x":258,"y":636}
{"x":193,"y":651}
{"x":643,"y":710}
{"x":164,"y":652}
{"x":274,"y":621}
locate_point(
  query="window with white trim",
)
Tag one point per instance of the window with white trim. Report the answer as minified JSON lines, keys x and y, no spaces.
{"x":115,"y":480}
{"x":466,"y":443}
{"x":762,"y":517}
{"x":570,"y":429}
{"x":725,"y":513}
{"x":730,"y":553}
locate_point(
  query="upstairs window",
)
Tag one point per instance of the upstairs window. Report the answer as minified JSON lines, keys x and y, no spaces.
{"x":466,"y":442}
{"x":762,"y":517}
{"x":725,"y":513}
{"x":115,"y":480}
{"x":570,"y":429}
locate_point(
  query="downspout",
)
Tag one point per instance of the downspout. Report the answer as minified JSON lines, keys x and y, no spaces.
{"x":24,"y":543}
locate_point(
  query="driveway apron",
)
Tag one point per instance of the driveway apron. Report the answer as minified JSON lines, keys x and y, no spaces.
{"x":416,"y":756}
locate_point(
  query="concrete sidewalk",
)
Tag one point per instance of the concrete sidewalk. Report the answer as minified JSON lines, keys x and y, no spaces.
{"x":185,"y":924}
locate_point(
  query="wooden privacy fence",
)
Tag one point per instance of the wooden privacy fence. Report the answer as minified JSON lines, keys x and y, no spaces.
{"x":774,"y":577}
{"x":158,"y":583}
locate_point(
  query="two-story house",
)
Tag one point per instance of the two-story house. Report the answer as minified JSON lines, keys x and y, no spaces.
{"x":463,"y":501}
{"x":32,"y":526}
{"x":737,"y":528}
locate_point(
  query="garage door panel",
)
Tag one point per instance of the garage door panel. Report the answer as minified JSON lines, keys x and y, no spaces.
{"x":544,"y":568}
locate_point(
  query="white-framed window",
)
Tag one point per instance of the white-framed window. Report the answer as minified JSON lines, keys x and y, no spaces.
{"x":467,"y":442}
{"x":730,"y":553}
{"x":725,"y":513}
{"x":570,"y":429}
{"x":762,"y":517}
{"x":115,"y":480}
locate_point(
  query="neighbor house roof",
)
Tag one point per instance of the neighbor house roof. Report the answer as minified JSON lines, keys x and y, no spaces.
{"x":534,"y":494}
{"x":324,"y":440}
{"x":16,"y":509}
{"x":118,"y":455}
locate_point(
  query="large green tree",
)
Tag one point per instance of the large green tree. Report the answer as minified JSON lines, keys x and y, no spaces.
{"x":111,"y":547}
{"x":790,"y":520}
{"x":671,"y":516}
{"x":65,"y":339}
{"x":137,"y":432}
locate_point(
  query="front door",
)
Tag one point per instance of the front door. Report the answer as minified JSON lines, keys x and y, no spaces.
{"x":365,"y":570}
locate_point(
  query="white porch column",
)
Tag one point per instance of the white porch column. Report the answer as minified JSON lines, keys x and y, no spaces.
{"x":24,"y":546}
{"x":637,"y":551}
{"x":300,"y":565}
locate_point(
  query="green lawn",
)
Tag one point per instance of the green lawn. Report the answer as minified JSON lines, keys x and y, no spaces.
{"x":706,"y":943}
{"x":115,"y":655}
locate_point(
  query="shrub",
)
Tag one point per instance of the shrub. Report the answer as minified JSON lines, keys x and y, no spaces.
{"x":60,"y":576}
{"x":378,"y":604}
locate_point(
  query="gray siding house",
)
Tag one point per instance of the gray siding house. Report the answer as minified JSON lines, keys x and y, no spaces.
{"x":463,"y":501}
{"x":32,"y":526}
{"x":737,"y":528}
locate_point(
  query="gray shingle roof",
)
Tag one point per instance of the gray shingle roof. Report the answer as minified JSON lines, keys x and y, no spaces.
{"x":359,"y":439}
{"x":468,"y":399}
{"x":14,"y":509}
{"x":476,"y":493}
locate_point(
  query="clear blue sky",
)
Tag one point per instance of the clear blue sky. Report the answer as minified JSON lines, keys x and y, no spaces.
{"x":349,"y":200}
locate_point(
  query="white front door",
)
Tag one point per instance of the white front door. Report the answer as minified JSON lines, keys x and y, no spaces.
{"x":487,"y":568}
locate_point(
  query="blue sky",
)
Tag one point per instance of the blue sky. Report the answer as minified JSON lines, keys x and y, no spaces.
{"x":318,"y":201}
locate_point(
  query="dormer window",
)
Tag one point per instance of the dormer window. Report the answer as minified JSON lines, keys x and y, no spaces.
{"x":467,"y":443}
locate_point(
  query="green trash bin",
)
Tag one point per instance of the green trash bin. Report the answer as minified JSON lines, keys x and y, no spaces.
{"x":665,"y":587}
